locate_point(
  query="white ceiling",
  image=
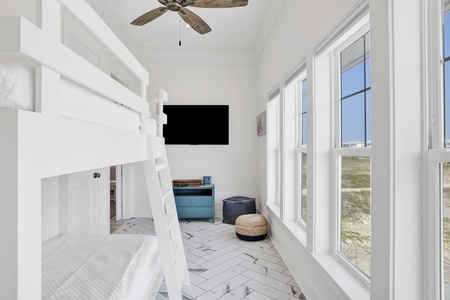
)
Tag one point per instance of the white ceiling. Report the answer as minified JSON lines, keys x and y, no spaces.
{"x":233,"y":29}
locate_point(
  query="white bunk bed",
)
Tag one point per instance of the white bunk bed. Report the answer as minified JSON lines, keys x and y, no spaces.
{"x":70,"y":117}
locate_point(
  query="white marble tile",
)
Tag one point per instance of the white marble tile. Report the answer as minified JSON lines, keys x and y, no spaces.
{"x":287,"y":272}
{"x":236,"y":294}
{"x":195,"y":267}
{"x":231,"y":285}
{"x":219,"y":269}
{"x":223,"y":243}
{"x":223,"y":240}
{"x":195,"y":279}
{"x":209,"y":295}
{"x":221,"y":259}
{"x":257,"y":296}
{"x":281,"y":286}
{"x":293,"y":282}
{"x":268,"y":291}
{"x":272,"y":266}
{"x":192,"y":243}
{"x":277,"y":255}
{"x":221,"y":278}
{"x":194,"y":258}
{"x":192,"y":290}
{"x":256,"y":246}
{"x":219,"y":253}
{"x":259,"y":255}
{"x":224,"y":267}
{"x":201,"y":253}
{"x":267,"y":272}
{"x":192,"y":232}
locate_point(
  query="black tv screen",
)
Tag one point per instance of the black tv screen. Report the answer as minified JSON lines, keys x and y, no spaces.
{"x":196,"y":125}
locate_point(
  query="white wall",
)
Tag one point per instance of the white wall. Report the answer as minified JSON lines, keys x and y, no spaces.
{"x":25,"y":8}
{"x":233,"y":168}
{"x":50,"y":208}
{"x":135,"y":200}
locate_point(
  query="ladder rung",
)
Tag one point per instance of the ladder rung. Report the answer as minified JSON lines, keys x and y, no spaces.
{"x":161,"y":166}
{"x":180,"y":266}
{"x":176,"y":247}
{"x":166,"y":193}
{"x":171,"y":220}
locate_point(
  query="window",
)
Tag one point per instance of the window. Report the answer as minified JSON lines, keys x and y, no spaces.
{"x":302,"y":153}
{"x":295,"y":147}
{"x":355,"y":94}
{"x":274,"y":148}
{"x":446,"y":74}
{"x":352,"y":152}
{"x":438,"y":203}
{"x":444,"y":165}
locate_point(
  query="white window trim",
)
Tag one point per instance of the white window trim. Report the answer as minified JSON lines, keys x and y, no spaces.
{"x":274,"y":180}
{"x":298,"y":201}
{"x":433,"y":57}
{"x":300,"y":149}
{"x":338,"y":152}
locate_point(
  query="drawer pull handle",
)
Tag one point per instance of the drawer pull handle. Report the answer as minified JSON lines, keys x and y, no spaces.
{"x":191,"y":212}
{"x":192,"y":201}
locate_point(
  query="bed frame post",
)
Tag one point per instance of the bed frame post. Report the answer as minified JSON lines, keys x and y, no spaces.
{"x":20,"y":225}
{"x":48,"y":17}
{"x":161,"y":117}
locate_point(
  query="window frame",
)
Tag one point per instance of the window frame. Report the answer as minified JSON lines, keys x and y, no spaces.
{"x":274,"y":151}
{"x":300,"y":147}
{"x":338,"y":151}
{"x":437,"y":154}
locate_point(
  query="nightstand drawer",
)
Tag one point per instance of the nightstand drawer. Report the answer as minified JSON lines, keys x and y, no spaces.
{"x":194,"y":212}
{"x":193,"y":200}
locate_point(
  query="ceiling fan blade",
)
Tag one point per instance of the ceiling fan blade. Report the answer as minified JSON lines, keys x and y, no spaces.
{"x":219,"y":3}
{"x":194,"y":21}
{"x":150,"y":16}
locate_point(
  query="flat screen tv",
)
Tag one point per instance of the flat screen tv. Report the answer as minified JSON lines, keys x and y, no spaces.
{"x":196,"y":125}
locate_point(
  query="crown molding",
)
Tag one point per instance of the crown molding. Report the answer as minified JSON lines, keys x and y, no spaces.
{"x":196,"y":56}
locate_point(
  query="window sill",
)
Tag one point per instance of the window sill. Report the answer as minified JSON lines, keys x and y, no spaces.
{"x":298,"y":230}
{"x":338,"y":277}
{"x":275,"y":208}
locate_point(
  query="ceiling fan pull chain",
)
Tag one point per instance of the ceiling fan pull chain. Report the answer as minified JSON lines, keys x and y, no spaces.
{"x":179,"y":41}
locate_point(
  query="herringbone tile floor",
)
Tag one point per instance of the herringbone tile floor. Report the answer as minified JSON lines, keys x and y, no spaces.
{"x":223,"y":267}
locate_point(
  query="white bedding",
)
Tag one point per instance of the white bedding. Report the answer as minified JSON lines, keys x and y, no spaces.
{"x":17,"y":91}
{"x":16,"y":85}
{"x":99,"y":266}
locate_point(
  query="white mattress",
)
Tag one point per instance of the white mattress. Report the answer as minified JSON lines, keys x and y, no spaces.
{"x":17,"y":91}
{"x":99,"y":266}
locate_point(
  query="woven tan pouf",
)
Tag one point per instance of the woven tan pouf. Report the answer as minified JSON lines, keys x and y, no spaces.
{"x":252,"y":227}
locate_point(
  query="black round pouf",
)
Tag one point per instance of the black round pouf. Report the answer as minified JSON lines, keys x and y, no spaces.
{"x":235,"y":206}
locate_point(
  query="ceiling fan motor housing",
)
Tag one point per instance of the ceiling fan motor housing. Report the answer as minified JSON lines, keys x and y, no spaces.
{"x":173,"y":6}
{"x":176,"y":5}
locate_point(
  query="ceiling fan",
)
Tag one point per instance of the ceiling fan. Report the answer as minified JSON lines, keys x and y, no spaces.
{"x":194,"y":21}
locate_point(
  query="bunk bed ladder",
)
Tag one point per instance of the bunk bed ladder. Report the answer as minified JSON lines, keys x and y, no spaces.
{"x":162,"y":201}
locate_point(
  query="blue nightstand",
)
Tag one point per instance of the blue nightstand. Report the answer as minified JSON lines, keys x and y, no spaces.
{"x":195,"y":202}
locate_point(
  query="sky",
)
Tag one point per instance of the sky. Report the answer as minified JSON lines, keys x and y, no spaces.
{"x":356,"y":110}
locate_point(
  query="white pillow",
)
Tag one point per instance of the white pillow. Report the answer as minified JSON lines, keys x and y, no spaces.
{"x":16,"y":85}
